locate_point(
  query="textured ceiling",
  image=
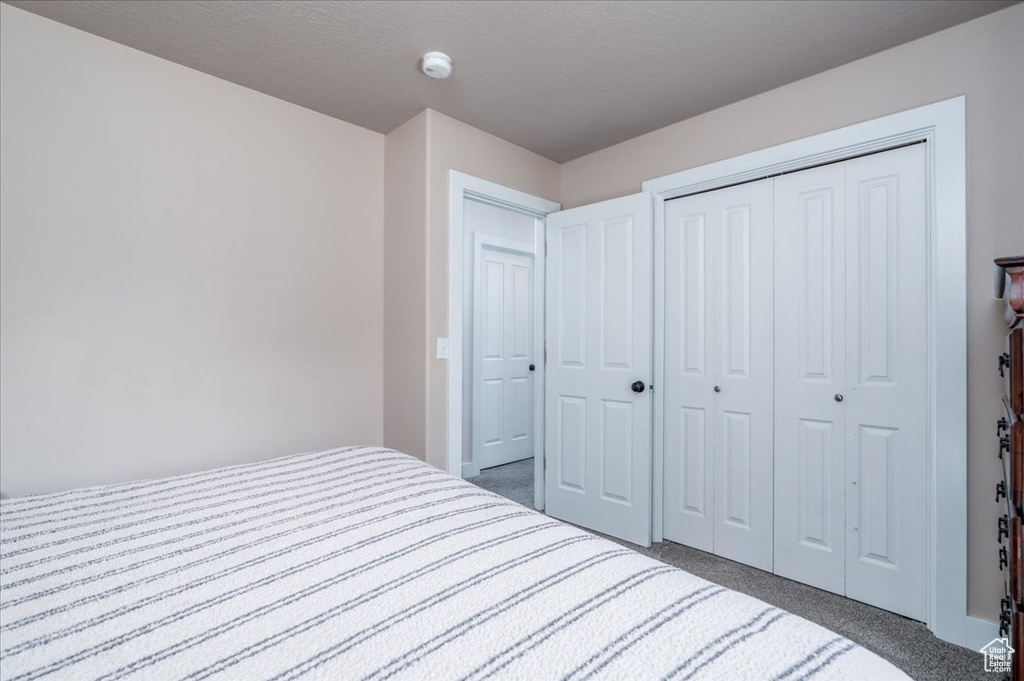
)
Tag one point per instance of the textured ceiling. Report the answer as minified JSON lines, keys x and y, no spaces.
{"x":560,"y":78}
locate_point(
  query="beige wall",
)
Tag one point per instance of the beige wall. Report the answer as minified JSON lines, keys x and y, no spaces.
{"x":419,"y":155}
{"x":984,"y":60}
{"x":405,"y":272}
{"x":190,"y":271}
{"x":456,"y":146}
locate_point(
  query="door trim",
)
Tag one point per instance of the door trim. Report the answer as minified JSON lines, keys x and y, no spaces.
{"x":481,"y":241}
{"x":460,"y":187}
{"x":943,"y":127}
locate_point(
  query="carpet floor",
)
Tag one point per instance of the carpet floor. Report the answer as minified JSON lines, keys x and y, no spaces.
{"x":906,"y":643}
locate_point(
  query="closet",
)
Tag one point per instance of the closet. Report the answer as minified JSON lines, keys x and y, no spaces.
{"x":790,"y":320}
{"x":795,"y":338}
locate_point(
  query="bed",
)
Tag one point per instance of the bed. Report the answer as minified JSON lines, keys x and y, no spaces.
{"x":364,"y":563}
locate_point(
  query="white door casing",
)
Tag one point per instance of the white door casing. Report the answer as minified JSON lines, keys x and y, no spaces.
{"x":503,"y":339}
{"x":598,"y":321}
{"x":886,"y":377}
{"x":460,"y":188}
{"x":810,"y":370}
{"x":942,"y":126}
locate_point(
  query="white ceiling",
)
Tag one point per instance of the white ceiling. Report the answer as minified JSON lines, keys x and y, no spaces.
{"x":560,"y":78}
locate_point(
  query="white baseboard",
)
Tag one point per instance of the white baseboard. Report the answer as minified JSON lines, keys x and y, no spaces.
{"x":470,"y":470}
{"x":979,"y":632}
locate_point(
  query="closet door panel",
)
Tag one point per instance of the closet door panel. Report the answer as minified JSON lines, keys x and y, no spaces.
{"x":689,"y":371}
{"x":810,"y":368}
{"x":886,"y":380}
{"x":744,"y":369}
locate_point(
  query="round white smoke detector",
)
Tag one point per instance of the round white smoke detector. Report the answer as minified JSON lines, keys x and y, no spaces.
{"x":437,"y":65}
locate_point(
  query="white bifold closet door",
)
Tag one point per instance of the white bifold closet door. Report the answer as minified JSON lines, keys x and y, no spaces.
{"x":810,"y":367}
{"x":719,"y":372}
{"x":850,"y":380}
{"x":599,"y":333}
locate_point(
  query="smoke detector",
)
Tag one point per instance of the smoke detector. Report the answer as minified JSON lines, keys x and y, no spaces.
{"x":437,"y":65}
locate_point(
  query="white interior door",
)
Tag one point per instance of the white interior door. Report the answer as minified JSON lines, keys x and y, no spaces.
{"x":598,"y":407}
{"x":851,"y":394}
{"x":810,"y":370}
{"x":886,"y":370}
{"x":719,"y":372}
{"x":502,"y":344}
{"x":690,"y":371}
{"x":744,"y":420}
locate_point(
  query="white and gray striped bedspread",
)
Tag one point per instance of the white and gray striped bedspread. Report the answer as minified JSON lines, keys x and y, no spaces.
{"x":364,"y":563}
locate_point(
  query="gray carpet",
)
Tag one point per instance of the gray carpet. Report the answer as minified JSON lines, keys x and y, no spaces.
{"x":513,"y":481}
{"x":906,"y":643}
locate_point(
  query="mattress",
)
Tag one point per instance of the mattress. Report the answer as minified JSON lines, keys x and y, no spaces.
{"x":364,"y":563}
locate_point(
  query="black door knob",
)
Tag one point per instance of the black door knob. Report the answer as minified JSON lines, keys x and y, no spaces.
{"x":638,"y":386}
{"x":533,"y":367}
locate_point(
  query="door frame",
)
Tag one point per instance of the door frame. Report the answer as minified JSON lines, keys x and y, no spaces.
{"x":461,"y":187}
{"x":481,"y":241}
{"x":942,"y":126}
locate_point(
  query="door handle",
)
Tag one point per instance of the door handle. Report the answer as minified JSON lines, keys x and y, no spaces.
{"x":533,"y":367}
{"x":838,"y":398}
{"x":638,"y":386}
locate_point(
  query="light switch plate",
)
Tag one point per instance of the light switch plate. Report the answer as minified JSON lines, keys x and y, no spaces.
{"x":442,"y":348}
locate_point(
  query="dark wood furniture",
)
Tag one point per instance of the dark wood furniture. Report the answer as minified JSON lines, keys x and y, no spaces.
{"x":1010,"y":429}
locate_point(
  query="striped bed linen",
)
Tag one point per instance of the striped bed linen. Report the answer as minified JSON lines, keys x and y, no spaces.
{"x":364,"y":563}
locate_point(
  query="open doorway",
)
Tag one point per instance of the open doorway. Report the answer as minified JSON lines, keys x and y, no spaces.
{"x":503,"y":353}
{"x":496,"y":346}
{"x":501,"y":380}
